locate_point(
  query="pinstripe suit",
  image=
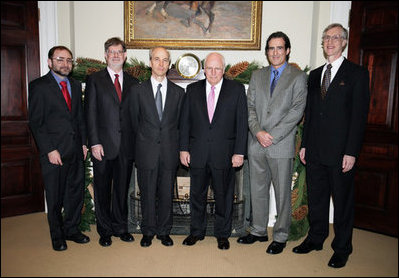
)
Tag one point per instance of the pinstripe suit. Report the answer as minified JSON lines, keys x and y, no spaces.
{"x":279,"y":116}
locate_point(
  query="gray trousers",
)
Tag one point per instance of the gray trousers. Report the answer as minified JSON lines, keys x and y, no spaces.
{"x":262,"y":172}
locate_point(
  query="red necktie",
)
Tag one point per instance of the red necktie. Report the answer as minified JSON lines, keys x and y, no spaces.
{"x":118,"y":87}
{"x":67,"y":97}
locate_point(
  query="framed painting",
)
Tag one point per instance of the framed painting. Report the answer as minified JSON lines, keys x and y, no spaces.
{"x":193,"y":24}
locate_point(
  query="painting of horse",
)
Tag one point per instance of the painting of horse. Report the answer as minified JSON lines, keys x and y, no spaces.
{"x":193,"y":24}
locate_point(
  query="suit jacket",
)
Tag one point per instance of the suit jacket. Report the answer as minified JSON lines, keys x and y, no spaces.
{"x":277,"y":115}
{"x":226,"y":135}
{"x":53,"y":125}
{"x":335,"y":126}
{"x":106,"y":116}
{"x":154,"y":138}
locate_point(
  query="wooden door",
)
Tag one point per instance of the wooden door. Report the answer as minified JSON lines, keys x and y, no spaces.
{"x":373,"y":43}
{"x":21,"y":182}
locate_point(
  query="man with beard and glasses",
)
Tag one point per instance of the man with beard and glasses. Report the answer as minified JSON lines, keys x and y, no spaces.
{"x":57,"y":123}
{"x":111,"y":141}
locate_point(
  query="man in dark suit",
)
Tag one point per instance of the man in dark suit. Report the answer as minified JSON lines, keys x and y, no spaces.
{"x":335,"y":120}
{"x":213,"y":141}
{"x":110,"y":138}
{"x":57,"y":123}
{"x":155,"y":107}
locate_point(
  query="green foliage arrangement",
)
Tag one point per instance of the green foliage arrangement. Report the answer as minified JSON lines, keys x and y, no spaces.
{"x":240,"y":72}
{"x":88,"y":216}
{"x":299,"y":197}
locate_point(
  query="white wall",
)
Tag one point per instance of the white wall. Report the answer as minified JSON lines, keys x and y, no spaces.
{"x":84,"y":26}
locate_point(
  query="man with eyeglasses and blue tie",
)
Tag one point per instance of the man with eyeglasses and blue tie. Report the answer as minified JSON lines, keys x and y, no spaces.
{"x":57,"y":123}
{"x":335,"y":120}
{"x":276,"y":101}
{"x":111,"y":141}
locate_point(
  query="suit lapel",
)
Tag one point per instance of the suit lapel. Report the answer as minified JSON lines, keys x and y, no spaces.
{"x":169,"y":101}
{"x":222,"y":95}
{"x":56,"y":88}
{"x":149,"y":98}
{"x":74,"y":95}
{"x":127,"y":82}
{"x":316,"y":82}
{"x":338,"y":78}
{"x":264,"y":82}
{"x":202,"y":99}
{"x":109,"y":86}
{"x":281,"y":83}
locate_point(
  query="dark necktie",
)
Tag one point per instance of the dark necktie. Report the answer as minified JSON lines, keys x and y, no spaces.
{"x":158,"y":101}
{"x":118,"y":87}
{"x":326,"y":81}
{"x":65,"y":92}
{"x":274,"y":82}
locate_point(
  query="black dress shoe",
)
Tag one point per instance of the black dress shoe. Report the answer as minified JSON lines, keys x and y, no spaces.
{"x":338,"y":260}
{"x":191,"y":240}
{"x":275,"y":247}
{"x":78,"y":238}
{"x":223,"y":243}
{"x":250,"y":238}
{"x":105,"y":241}
{"x":165,"y":240}
{"x":146,"y":241}
{"x":125,"y":237}
{"x":59,"y":244}
{"x":306,"y":246}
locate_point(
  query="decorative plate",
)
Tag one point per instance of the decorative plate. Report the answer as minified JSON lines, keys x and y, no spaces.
{"x":188,"y":65}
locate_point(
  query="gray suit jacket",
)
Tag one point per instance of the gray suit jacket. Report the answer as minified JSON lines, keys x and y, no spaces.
{"x":278,"y":115}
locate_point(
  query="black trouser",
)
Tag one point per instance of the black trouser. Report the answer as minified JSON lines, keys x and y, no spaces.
{"x":156,"y":196}
{"x":324,"y":181}
{"x":64,"y":187}
{"x":223,"y":182}
{"x":111,"y":185}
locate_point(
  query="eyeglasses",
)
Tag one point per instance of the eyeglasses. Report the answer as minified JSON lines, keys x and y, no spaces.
{"x":333,"y":38}
{"x":61,"y":60}
{"x":113,"y":52}
{"x":210,"y":69}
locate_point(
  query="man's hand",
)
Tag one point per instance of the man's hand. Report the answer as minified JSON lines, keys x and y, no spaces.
{"x":54,"y":157}
{"x":302,"y":155}
{"x":347,"y":163}
{"x":98,"y":152}
{"x":237,"y":160}
{"x":264,"y":138}
{"x":185,"y":158}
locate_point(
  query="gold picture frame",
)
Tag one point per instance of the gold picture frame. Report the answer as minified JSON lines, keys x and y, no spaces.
{"x":234,"y":25}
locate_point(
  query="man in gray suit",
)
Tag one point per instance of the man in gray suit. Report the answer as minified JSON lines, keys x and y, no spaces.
{"x":276,"y":101}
